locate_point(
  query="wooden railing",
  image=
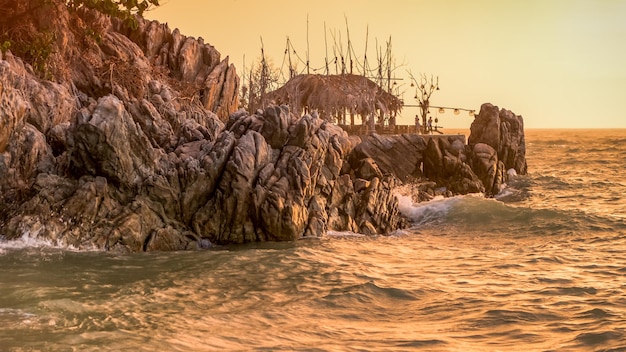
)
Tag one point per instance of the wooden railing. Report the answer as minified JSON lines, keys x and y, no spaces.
{"x":363,"y":129}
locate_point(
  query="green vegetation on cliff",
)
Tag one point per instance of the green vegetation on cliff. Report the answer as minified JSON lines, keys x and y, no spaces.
{"x":29,"y":28}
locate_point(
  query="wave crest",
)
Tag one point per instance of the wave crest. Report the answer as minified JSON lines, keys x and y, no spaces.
{"x":474,"y":213}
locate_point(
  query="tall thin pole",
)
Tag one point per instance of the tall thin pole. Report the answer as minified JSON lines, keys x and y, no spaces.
{"x":264,"y":74}
{"x":307,"y":44}
{"x":244,"y":69}
{"x":379,"y":60}
{"x":367,"y":33}
{"x":326,"y":46}
{"x":389,"y":65}
{"x":349,"y":43}
{"x":291,"y":69}
{"x":335,"y":52}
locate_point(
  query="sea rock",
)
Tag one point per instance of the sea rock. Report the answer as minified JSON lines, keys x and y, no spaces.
{"x":497,"y":144}
{"x":445,"y":162}
{"x":503,"y":131}
{"x":487,"y":167}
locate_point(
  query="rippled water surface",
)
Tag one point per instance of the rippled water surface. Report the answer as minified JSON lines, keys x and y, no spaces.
{"x":542,"y":267}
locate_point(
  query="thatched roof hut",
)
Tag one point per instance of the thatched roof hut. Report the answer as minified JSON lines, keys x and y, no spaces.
{"x":333,"y":95}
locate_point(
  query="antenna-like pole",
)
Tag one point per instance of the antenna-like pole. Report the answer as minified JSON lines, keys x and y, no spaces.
{"x":326,"y":46}
{"x":349,"y":43}
{"x":288,"y":50}
{"x":389,"y":65}
{"x":307,"y":44}
{"x":367,"y":33}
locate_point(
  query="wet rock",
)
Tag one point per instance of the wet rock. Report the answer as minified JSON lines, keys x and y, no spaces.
{"x":170,"y":239}
{"x":487,"y":167}
{"x":445,"y":164}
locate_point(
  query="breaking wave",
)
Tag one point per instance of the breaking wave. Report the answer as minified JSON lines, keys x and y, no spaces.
{"x":475,"y":214}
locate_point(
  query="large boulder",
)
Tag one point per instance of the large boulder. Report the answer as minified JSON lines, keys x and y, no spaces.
{"x":497,"y":144}
{"x":399,"y":155}
{"x":109,"y":143}
{"x":445,"y":162}
{"x":503,"y":131}
{"x":487,"y":167}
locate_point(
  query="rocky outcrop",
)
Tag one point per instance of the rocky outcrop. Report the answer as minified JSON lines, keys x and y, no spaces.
{"x":154,"y":171}
{"x":445,"y":164}
{"x":497,"y":144}
{"x":189,"y":60}
{"x":139,"y":147}
{"x":249,"y":183}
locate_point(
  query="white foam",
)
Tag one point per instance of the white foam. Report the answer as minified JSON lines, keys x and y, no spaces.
{"x":505,"y":192}
{"x":31,"y":240}
{"x":511,"y":172}
{"x":426,"y":212}
{"x":26,"y":241}
{"x":332,"y":233}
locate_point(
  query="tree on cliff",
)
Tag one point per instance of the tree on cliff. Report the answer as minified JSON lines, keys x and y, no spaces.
{"x":263,"y":77}
{"x":31,"y":28}
{"x":122,"y":9}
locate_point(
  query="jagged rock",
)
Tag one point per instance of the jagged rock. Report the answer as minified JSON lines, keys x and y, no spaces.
{"x":58,"y":138}
{"x":368,"y":170}
{"x":109,"y":143}
{"x":220,"y":92}
{"x":27,"y":155}
{"x":199,"y":170}
{"x":485,"y":164}
{"x":158,"y":130}
{"x":170,"y":239}
{"x":503,"y":131}
{"x":190,"y":60}
{"x":397,"y":155}
{"x":445,"y":163}
{"x":225,"y":218}
{"x":276,"y":125}
{"x":498,"y":144}
{"x":377,"y":206}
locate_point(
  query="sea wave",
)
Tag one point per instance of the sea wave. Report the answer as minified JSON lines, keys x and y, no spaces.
{"x":30,"y":240}
{"x":474,"y":213}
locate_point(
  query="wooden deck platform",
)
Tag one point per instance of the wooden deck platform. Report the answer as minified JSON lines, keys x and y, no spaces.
{"x":360,"y":130}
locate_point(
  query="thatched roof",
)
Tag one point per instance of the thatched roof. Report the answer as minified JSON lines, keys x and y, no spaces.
{"x":333,"y":94}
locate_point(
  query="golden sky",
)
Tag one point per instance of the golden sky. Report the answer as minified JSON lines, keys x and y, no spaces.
{"x":558,"y":63}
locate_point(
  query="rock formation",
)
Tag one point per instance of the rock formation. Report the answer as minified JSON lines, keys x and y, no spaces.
{"x":497,"y":144}
{"x":140,"y":147}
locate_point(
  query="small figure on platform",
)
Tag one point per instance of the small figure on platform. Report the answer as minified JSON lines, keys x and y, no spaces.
{"x":418,"y":127}
{"x":430,"y":125}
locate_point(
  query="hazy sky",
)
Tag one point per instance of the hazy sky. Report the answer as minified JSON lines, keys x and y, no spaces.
{"x":558,"y":63}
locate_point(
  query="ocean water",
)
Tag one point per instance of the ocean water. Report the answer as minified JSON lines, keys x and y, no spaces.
{"x":540,"y":268}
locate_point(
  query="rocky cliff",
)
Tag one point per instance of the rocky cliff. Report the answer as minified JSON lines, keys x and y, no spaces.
{"x":140,"y":147}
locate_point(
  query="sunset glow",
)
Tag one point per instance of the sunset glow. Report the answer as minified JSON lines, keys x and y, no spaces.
{"x":558,"y":63}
